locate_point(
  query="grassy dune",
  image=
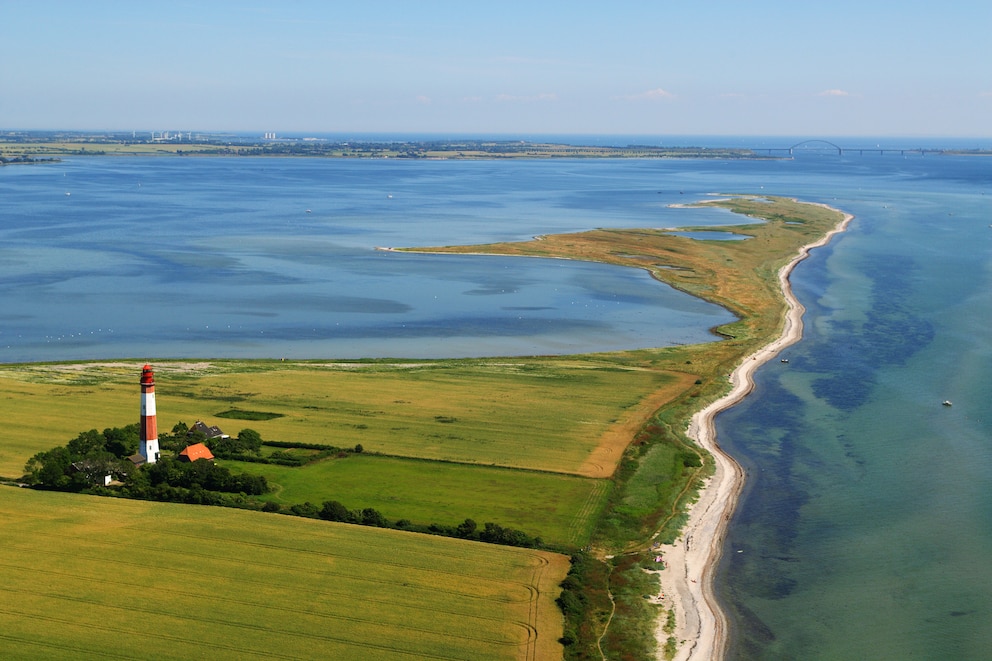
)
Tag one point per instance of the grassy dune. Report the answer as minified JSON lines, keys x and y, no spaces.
{"x":88,"y":577}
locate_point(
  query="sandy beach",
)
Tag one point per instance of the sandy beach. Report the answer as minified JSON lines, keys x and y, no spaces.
{"x":687,"y":579}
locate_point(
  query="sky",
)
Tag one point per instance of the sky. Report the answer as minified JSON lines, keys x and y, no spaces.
{"x":694,"y":67}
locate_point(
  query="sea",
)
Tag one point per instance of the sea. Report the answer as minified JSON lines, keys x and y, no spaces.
{"x":865,"y":527}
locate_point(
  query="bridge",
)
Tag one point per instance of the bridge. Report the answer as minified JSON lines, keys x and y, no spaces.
{"x":826,"y":145}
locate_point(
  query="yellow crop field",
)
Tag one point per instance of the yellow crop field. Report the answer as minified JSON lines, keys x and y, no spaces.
{"x":87,"y":578}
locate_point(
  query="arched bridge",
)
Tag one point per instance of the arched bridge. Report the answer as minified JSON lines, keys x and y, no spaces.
{"x":808,"y":142}
{"x":824,"y":145}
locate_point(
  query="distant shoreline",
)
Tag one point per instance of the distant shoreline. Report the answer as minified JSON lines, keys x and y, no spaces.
{"x":412,"y":150}
{"x":30,"y":144}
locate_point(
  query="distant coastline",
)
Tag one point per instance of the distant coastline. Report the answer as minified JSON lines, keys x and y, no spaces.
{"x":46,"y":146}
{"x":27,"y":148}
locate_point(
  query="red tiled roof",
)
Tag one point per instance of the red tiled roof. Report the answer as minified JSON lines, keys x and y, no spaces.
{"x":197,"y":451}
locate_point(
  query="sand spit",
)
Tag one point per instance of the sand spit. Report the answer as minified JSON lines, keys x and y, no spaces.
{"x":687,"y":579}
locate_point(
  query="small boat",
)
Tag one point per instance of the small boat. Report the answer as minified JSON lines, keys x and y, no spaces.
{"x":308,"y":210}
{"x":785,"y":360}
{"x":947,"y":402}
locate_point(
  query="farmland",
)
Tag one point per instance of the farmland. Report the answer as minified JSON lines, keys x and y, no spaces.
{"x":540,"y":414}
{"x":83,"y":576}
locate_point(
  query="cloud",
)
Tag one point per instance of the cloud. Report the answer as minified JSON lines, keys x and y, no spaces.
{"x":510,"y":98}
{"x":650,"y":95}
{"x":834,"y":93}
{"x":425,"y":100}
{"x":985,"y":95}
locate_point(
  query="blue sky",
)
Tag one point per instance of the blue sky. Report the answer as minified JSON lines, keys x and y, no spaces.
{"x":868,"y":67}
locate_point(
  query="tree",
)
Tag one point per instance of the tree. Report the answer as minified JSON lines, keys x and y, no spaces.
{"x":86,"y":443}
{"x":371,"y":517}
{"x":249,"y":440}
{"x":307,"y":509}
{"x":335,"y":511}
{"x":466,"y":528}
{"x":50,"y":468}
{"x":122,"y":441}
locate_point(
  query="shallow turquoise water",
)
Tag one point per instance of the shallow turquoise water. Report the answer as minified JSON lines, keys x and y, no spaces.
{"x":866,"y":531}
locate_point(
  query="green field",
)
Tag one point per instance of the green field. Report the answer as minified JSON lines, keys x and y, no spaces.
{"x":548,"y":414}
{"x":558,"y":508}
{"x":96,"y":578}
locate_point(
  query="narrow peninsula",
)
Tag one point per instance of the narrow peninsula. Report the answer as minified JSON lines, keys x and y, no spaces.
{"x":678,"y":536}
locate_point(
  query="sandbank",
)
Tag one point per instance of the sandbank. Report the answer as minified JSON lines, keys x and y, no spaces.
{"x":687,"y":578}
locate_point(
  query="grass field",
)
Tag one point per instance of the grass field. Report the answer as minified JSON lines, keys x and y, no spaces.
{"x":542,"y":414}
{"x":88,"y":578}
{"x":558,"y":508}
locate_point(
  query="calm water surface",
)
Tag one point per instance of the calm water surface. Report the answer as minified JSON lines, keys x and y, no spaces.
{"x":866,"y":527}
{"x":208,"y":257}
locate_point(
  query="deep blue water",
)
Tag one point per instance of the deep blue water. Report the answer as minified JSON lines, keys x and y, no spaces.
{"x":865,"y":531}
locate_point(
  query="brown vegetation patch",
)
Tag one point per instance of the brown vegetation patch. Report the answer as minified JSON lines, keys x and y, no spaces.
{"x":603,"y":460}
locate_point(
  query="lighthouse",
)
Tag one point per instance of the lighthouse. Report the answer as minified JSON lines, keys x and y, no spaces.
{"x":149,"y":429}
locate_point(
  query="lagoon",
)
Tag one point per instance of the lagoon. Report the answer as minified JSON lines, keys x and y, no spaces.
{"x":213,"y":257}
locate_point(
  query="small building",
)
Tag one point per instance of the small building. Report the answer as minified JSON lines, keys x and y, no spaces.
{"x":209,"y":432}
{"x":196,"y":452}
{"x":96,"y":471}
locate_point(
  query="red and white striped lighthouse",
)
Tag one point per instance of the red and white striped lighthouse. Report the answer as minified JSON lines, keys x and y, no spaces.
{"x":149,"y":428}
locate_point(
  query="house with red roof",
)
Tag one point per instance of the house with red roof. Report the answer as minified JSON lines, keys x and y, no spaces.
{"x":195,"y":452}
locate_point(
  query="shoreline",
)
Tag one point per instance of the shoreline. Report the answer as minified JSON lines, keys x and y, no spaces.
{"x":687,"y":581}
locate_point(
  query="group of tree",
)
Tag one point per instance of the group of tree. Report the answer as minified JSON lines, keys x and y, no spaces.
{"x":201,"y":474}
{"x":86,"y":461}
{"x":333,"y":510}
